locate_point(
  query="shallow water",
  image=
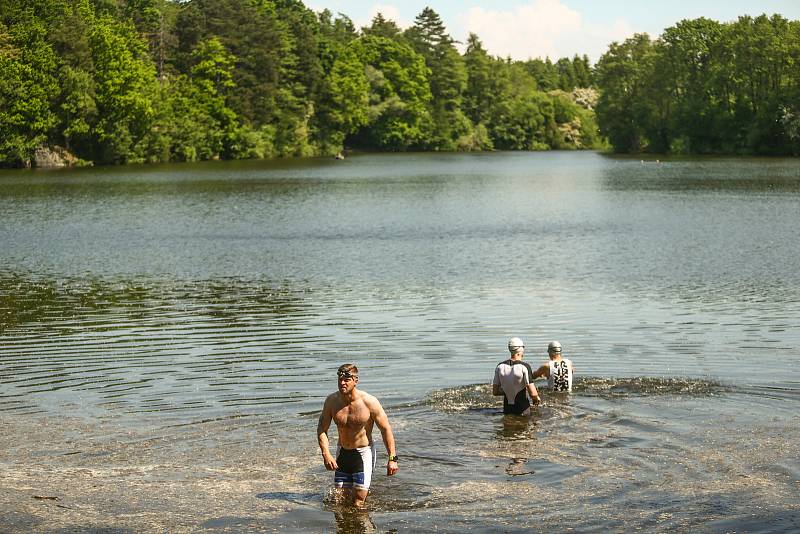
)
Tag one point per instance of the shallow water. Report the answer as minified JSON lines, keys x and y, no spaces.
{"x":168,"y":334}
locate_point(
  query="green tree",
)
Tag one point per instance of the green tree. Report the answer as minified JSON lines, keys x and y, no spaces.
{"x":28,"y":85}
{"x":544,"y":72}
{"x":762,"y":67}
{"x":155,"y":21}
{"x":622,"y":74}
{"x":254,"y":36}
{"x":125,"y":89}
{"x":399,"y":93}
{"x":212,"y":79}
{"x":480,"y":95}
{"x":340,"y":105}
{"x":448,"y":79}
{"x":583,"y":71}
{"x":523,"y":117}
{"x":76,"y":107}
{"x":344,"y":103}
{"x":703,"y":87}
{"x":567,"y":78}
{"x":686,"y":53}
{"x":383,"y":27}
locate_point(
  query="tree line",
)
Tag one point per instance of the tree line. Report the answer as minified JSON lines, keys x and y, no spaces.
{"x":125,"y":81}
{"x":704,"y":87}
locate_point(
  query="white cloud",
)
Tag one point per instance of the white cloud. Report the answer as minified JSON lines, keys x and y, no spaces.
{"x":541,"y":28}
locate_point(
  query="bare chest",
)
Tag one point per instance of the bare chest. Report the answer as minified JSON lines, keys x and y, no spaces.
{"x":353,"y":416}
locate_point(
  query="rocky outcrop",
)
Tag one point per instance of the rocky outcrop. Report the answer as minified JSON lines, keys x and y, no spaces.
{"x":54,"y":156}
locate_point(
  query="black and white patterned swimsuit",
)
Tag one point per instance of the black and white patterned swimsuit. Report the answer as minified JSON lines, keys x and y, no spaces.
{"x":513,"y":377}
{"x":560,"y":378}
{"x":355,"y":467}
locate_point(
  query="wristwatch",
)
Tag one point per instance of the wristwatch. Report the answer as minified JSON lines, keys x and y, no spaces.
{"x":393,"y":458}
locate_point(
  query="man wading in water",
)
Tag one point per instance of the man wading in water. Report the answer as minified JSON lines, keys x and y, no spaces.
{"x":354,"y":413}
{"x":513,"y":379}
{"x":558,"y":371}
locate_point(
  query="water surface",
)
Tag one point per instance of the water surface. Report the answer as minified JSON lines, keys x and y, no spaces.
{"x":168,"y":334}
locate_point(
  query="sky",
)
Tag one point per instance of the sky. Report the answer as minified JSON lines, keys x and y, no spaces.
{"x":524,"y":29}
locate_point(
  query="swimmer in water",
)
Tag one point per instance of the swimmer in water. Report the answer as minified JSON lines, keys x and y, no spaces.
{"x":558,"y":371}
{"x":354,"y":412}
{"x":513,"y":379}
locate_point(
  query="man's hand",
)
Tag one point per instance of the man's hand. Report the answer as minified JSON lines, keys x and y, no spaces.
{"x":537,"y":401}
{"x":391,"y":468}
{"x":330,"y":462}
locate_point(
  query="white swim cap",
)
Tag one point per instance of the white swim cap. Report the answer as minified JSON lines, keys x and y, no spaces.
{"x":554,"y":346}
{"x":514,"y":344}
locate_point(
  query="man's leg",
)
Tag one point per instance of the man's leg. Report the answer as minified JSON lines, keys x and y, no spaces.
{"x":361,"y":481}
{"x":344,"y":486}
{"x":360,"y":497}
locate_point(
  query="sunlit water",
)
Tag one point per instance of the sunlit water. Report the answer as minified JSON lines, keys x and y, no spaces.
{"x":168,"y":334}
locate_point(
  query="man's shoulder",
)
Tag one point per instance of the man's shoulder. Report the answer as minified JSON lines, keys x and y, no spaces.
{"x":511,"y":362}
{"x":370,"y":401}
{"x":334,"y":399}
{"x":366,"y":397}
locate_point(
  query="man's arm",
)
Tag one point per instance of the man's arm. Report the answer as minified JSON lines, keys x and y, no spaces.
{"x":533,"y":393}
{"x":322,"y":435}
{"x":381,"y":419}
{"x":542,"y":372}
{"x":496,"y":390}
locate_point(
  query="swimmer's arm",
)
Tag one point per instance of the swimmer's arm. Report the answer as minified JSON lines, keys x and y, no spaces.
{"x":542,"y":372}
{"x":382,"y":420}
{"x":533,"y":393}
{"x":322,"y":435}
{"x":496,"y":391}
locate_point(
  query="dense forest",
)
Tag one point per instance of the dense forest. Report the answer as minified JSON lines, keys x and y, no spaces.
{"x":704,"y":87}
{"x":120,"y":81}
{"x":125,"y":81}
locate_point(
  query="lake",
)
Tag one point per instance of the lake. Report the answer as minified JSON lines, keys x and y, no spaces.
{"x":168,"y":334}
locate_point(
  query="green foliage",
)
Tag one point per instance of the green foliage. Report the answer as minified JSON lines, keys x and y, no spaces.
{"x":76,"y":105}
{"x":447,"y":78}
{"x":28,"y":86}
{"x":476,"y":140}
{"x":703,"y":87}
{"x":184,"y":80}
{"x":399,"y":93}
{"x":343,"y":104}
{"x":383,"y":27}
{"x":125,"y":90}
{"x":622,"y":73}
{"x":479,"y":97}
